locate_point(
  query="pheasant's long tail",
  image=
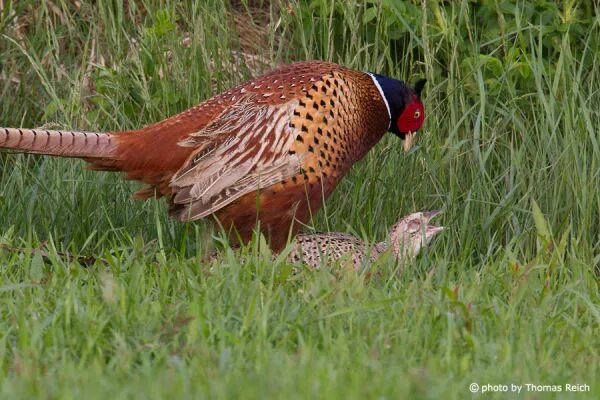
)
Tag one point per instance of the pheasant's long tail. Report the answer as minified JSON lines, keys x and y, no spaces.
{"x":87,"y":145}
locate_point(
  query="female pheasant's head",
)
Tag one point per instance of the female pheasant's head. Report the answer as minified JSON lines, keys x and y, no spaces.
{"x":412,"y":232}
{"x":405,"y":109}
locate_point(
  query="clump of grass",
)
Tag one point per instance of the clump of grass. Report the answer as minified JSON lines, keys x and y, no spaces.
{"x":510,"y":152}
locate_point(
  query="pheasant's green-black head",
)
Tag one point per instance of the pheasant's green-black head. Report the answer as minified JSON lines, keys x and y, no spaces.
{"x":407,"y":113}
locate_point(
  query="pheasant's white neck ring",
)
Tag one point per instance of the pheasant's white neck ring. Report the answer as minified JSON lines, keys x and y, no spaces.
{"x":378,"y":86}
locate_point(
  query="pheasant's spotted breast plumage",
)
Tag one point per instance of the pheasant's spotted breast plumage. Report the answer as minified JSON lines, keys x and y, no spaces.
{"x":335,"y":123}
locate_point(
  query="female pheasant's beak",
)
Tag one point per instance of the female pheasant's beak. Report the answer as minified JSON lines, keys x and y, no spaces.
{"x":409,"y":140}
{"x":430,"y":230}
{"x":429,"y":215}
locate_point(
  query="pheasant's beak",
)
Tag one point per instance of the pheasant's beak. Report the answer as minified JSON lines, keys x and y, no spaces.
{"x":433,"y":230}
{"x":409,"y":139}
{"x":429,"y":215}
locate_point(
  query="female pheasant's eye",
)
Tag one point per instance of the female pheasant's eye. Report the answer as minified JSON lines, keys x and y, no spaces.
{"x":417,"y":114}
{"x":413,"y":227}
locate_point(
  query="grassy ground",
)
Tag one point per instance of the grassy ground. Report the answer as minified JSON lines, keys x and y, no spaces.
{"x":507,"y":295}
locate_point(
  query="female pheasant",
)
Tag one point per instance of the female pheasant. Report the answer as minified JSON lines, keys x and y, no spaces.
{"x":406,"y":238}
{"x":269,"y":150}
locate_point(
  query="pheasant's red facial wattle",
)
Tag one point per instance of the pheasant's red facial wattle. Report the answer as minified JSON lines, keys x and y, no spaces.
{"x":412,"y":117}
{"x":410,"y":121}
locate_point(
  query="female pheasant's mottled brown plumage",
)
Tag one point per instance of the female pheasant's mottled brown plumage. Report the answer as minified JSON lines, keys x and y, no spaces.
{"x":405,"y":240}
{"x":270,"y":150}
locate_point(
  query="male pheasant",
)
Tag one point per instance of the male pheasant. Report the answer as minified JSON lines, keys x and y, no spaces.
{"x":406,"y":238}
{"x":269,"y":150}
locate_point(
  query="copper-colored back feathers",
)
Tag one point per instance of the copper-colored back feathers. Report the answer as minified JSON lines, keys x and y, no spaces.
{"x":270,"y":150}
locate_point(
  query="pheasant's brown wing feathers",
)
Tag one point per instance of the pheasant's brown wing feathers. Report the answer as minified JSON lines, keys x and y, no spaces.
{"x":252,"y":151}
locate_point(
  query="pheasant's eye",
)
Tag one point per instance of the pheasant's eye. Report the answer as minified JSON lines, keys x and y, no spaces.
{"x":417,"y":114}
{"x":413,"y":227}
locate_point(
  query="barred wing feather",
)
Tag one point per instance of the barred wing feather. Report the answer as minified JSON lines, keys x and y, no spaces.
{"x":243,"y":150}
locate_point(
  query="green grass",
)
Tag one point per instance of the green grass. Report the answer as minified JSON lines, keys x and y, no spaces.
{"x":510,"y":151}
